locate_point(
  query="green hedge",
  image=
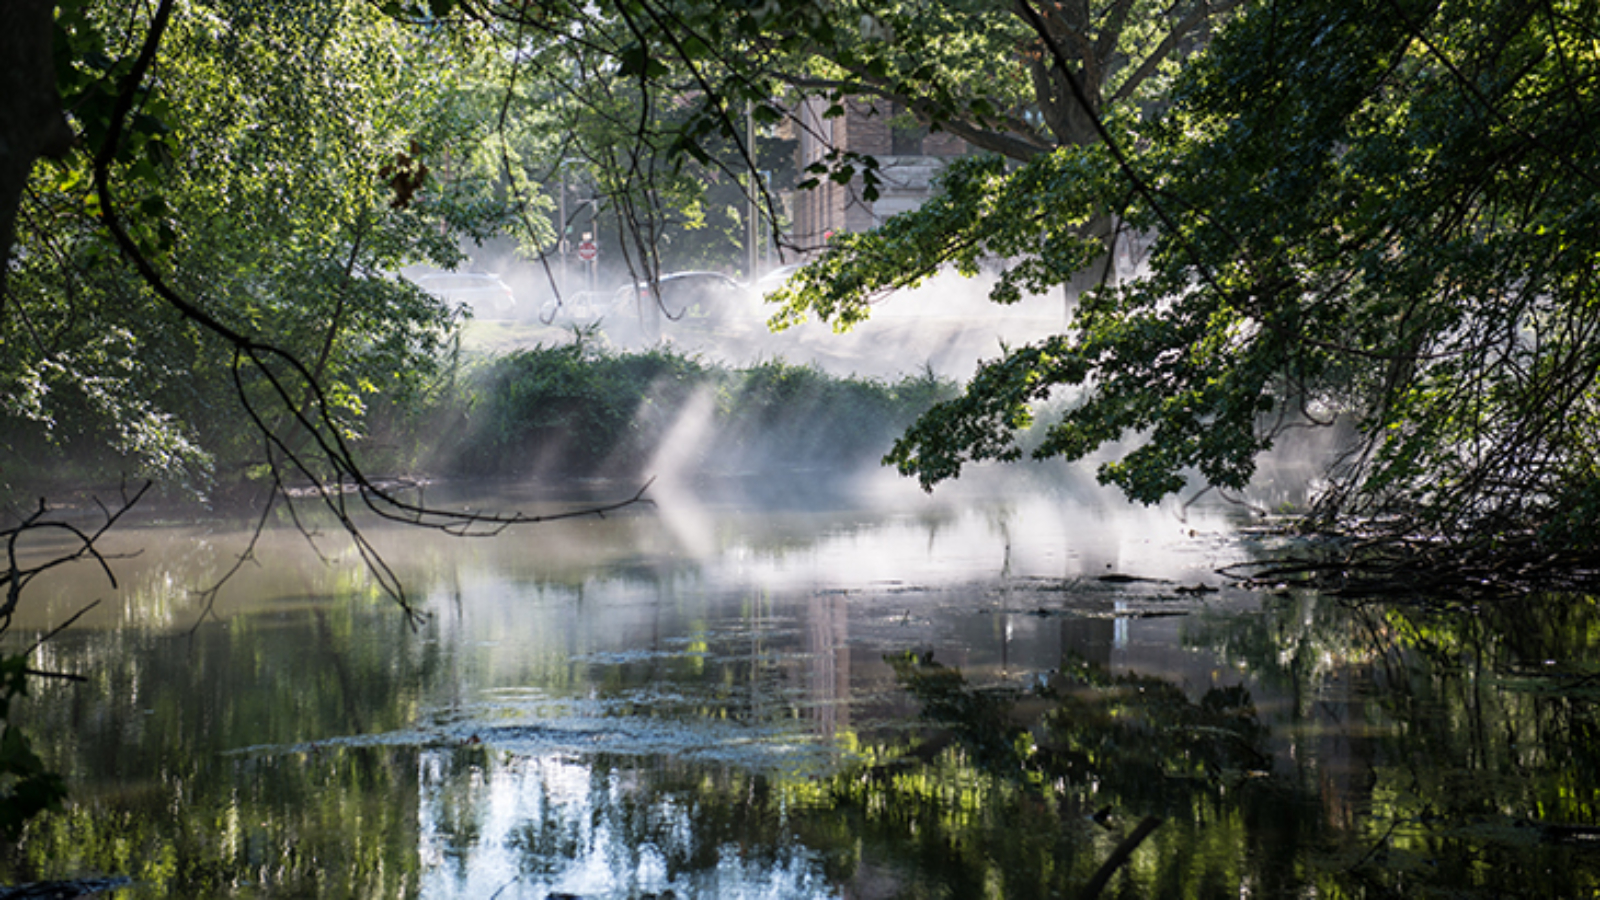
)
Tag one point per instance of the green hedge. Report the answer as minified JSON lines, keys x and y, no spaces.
{"x":579,"y":410}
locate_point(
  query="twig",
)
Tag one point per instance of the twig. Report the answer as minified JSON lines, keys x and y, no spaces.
{"x":63,"y":626}
{"x":15,"y":576}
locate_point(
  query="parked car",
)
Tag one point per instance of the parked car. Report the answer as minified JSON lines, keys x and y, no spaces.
{"x":581,"y":308}
{"x":686,"y":295}
{"x":483,"y":291}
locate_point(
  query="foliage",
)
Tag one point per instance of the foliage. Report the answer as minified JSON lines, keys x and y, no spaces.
{"x":657,"y":208}
{"x":801,"y":417}
{"x":560,"y":93}
{"x":984,"y":70}
{"x":656,"y":102}
{"x":263,"y":171}
{"x":1035,"y":215}
{"x":573,"y":403}
{"x":1379,"y":214}
{"x":583,"y":410}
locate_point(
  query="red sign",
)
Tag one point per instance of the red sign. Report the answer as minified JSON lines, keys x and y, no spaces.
{"x":588,"y":250}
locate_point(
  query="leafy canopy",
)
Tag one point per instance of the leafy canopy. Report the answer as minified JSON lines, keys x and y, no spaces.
{"x":276,"y":166}
{"x":1375,"y":213}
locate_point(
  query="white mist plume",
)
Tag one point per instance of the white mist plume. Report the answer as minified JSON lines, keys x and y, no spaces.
{"x":676,"y":460}
{"x":947,"y":325}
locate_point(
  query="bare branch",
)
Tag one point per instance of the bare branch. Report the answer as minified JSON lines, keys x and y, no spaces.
{"x":17,"y":576}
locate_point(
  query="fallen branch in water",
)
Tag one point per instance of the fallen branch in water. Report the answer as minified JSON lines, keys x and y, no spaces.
{"x":1382,"y":564}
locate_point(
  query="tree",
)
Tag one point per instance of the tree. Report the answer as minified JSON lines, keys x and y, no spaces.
{"x":276,"y":220}
{"x":1377,"y":214}
{"x":657,"y":89}
{"x":209,"y":277}
{"x":280,"y":165}
{"x":661,"y":209}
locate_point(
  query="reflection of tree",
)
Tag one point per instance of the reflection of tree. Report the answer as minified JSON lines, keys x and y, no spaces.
{"x":1123,"y":733}
{"x":1453,"y":743}
{"x":280,"y":828}
{"x":162,"y":792}
{"x":1027,"y":790}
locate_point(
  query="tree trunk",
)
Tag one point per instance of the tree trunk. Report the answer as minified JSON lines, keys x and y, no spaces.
{"x":31,"y":121}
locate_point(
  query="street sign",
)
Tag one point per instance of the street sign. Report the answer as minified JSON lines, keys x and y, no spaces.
{"x":588,"y":250}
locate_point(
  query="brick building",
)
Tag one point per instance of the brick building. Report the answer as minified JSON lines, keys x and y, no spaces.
{"x":909,"y":157}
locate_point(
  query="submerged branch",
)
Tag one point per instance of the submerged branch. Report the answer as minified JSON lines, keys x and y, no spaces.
{"x":1119,"y":856}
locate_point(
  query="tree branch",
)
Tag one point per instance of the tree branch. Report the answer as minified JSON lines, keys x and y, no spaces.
{"x":1169,"y":45}
{"x":1022,"y":143}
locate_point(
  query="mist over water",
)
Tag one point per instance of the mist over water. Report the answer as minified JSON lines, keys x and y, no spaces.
{"x":944,"y":328}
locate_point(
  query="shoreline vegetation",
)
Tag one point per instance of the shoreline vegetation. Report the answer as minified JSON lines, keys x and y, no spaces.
{"x":1374,"y":561}
{"x":556,"y":413}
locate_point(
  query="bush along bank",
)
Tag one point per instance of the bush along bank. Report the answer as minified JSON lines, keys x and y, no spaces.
{"x":579,"y":410}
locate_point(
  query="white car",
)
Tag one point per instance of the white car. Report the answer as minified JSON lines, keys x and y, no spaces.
{"x":483,"y":291}
{"x":581,"y":308}
{"x":775,"y":279}
{"x":686,"y":295}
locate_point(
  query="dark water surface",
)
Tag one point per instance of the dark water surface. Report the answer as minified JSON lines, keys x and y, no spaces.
{"x":863,"y":698}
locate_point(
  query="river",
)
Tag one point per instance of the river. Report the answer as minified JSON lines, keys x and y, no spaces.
{"x":785,"y":691}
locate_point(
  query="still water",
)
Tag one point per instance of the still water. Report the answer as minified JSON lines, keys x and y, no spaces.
{"x":762,"y":693}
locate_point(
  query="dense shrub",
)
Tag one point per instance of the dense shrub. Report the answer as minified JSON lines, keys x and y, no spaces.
{"x":580,"y":410}
{"x":799,"y":416}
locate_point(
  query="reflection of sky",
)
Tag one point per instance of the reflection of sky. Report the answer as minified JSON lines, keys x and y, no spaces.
{"x":523,"y":809}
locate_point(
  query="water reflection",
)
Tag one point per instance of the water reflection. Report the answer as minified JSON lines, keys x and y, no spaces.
{"x":898,"y":700}
{"x":607,"y":826}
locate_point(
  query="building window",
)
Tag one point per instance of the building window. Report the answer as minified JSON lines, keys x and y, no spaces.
{"x":905,"y":136}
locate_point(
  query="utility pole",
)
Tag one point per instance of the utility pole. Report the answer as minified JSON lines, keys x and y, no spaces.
{"x":563,"y":247}
{"x":752,"y":225}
